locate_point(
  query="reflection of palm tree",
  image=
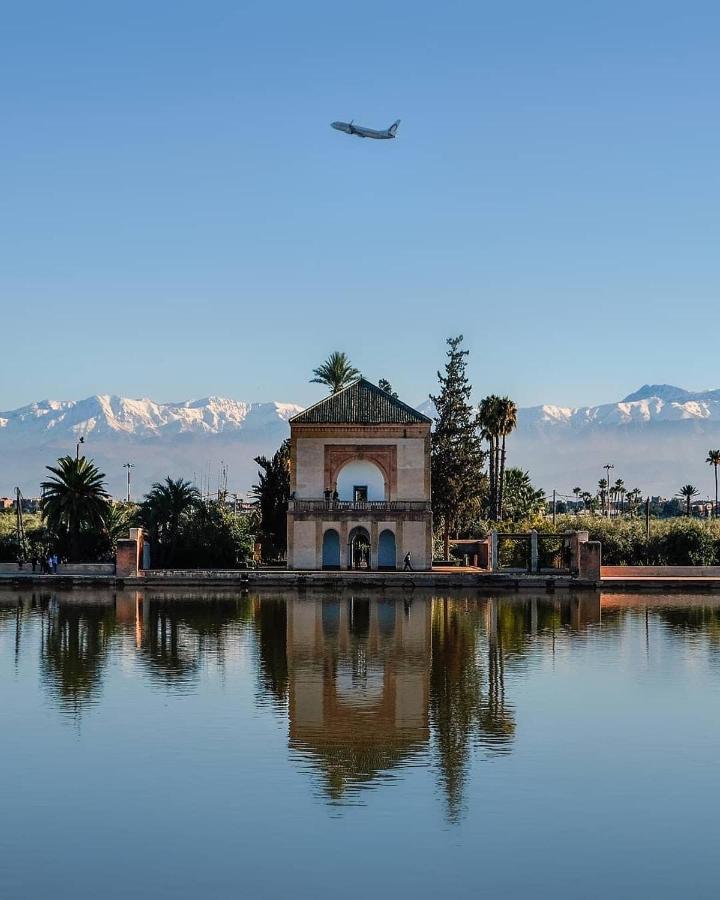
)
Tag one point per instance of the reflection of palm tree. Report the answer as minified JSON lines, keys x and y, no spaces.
{"x":460,"y":713}
{"x":180,"y":635}
{"x":74,"y":649}
{"x":270,"y":622}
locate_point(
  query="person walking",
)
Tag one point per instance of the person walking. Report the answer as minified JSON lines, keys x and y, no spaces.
{"x":408,"y":563}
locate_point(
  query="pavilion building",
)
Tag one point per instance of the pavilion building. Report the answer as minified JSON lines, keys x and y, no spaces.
{"x":360,"y":483}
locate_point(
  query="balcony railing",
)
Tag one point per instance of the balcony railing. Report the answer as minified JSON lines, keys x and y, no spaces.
{"x":359,"y":505}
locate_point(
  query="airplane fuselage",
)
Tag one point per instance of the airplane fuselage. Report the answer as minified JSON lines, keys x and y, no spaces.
{"x":360,"y":131}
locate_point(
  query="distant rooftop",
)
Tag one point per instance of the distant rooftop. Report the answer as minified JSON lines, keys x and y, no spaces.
{"x":361,"y":403}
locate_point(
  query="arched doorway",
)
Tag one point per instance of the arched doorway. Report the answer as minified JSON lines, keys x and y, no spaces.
{"x":331,"y":549}
{"x":359,"y":549}
{"x":387,"y":554}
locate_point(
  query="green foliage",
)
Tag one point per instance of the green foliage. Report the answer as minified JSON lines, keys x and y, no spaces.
{"x":75,"y":505}
{"x":497,"y":418}
{"x":212,"y":536}
{"x":163,"y":514}
{"x":385,"y":385}
{"x":188,"y":532}
{"x":457,"y":455}
{"x":521,"y":499}
{"x":336,"y":372}
{"x":673,"y":542}
{"x":272,"y":493}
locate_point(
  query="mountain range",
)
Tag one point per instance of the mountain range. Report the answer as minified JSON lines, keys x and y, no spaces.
{"x":657,"y":438}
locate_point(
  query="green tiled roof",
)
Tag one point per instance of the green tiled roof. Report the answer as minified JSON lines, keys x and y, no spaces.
{"x":361,"y":403}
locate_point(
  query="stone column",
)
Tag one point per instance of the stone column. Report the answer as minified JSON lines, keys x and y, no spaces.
{"x":590,"y":561}
{"x":374,"y":545}
{"x":534,"y":555}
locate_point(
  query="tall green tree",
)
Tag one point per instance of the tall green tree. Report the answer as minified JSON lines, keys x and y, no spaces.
{"x":688,"y":491}
{"x":457,"y":455}
{"x":336,"y":372}
{"x":489,"y":424}
{"x":74,"y":499}
{"x":272,"y":493}
{"x":507,"y":422}
{"x":162,"y":512}
{"x":713,"y":459}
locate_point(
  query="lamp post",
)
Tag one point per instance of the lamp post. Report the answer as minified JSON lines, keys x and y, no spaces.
{"x":128,"y":466}
{"x":607,"y":468}
{"x":77,"y":447}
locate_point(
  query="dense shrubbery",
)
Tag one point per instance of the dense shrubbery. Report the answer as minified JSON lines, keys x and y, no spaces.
{"x":673,"y":542}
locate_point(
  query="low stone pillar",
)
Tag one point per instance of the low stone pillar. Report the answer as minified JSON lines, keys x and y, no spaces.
{"x":493,"y":551}
{"x":534,"y":554}
{"x":590,"y":553}
{"x":126,"y":558}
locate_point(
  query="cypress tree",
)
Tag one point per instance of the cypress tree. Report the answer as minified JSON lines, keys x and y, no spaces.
{"x":457,"y":455}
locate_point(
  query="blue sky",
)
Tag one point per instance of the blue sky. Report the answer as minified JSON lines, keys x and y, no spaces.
{"x":177,"y":218}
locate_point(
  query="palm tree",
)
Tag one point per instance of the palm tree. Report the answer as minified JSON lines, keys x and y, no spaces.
{"x":602,"y":488}
{"x":489,"y":423}
{"x":75,"y":498}
{"x":713,"y":459}
{"x":577,"y":491}
{"x":162,"y":510}
{"x":336,"y":372}
{"x":688,"y":491}
{"x":508,"y":422}
{"x":619,"y":491}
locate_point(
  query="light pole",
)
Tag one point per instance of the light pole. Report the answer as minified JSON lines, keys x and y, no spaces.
{"x":77,"y":447}
{"x":128,"y":466}
{"x":607,"y":468}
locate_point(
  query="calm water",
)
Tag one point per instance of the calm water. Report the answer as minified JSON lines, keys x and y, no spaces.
{"x":356,"y":746}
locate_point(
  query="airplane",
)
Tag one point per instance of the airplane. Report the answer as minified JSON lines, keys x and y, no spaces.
{"x":362,"y":132}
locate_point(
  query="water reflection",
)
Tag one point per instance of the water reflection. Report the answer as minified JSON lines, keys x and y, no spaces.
{"x":366,"y":685}
{"x":359,"y":685}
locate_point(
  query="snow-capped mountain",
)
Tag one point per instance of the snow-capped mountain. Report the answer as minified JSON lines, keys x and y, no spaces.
{"x":657,"y":438}
{"x":192,"y":438}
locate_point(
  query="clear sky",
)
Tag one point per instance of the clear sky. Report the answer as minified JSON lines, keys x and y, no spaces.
{"x":178,"y":219}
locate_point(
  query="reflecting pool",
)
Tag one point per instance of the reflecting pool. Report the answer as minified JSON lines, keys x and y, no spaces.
{"x":213,"y":745}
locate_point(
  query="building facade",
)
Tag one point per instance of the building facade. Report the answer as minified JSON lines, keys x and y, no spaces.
{"x":360,"y":483}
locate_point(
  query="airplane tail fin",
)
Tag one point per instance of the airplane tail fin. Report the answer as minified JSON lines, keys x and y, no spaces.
{"x":393,"y":128}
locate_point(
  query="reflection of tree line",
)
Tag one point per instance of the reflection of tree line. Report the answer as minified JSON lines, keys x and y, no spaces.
{"x":473,"y":642}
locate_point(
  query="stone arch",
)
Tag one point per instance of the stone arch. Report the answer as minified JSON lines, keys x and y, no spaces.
{"x":361,"y":472}
{"x":387,"y":550}
{"x":383,"y":456}
{"x":359,"y":549}
{"x":331,"y":549}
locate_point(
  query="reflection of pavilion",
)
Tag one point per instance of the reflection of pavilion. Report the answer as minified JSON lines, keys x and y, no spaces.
{"x":359,"y":683}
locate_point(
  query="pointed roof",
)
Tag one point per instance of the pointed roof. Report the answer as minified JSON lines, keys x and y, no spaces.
{"x":361,"y":403}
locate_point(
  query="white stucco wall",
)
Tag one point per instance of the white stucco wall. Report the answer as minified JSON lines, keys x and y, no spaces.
{"x":304,"y":549}
{"x":414,"y":535}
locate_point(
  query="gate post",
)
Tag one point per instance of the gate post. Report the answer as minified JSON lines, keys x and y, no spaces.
{"x":534,"y":555}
